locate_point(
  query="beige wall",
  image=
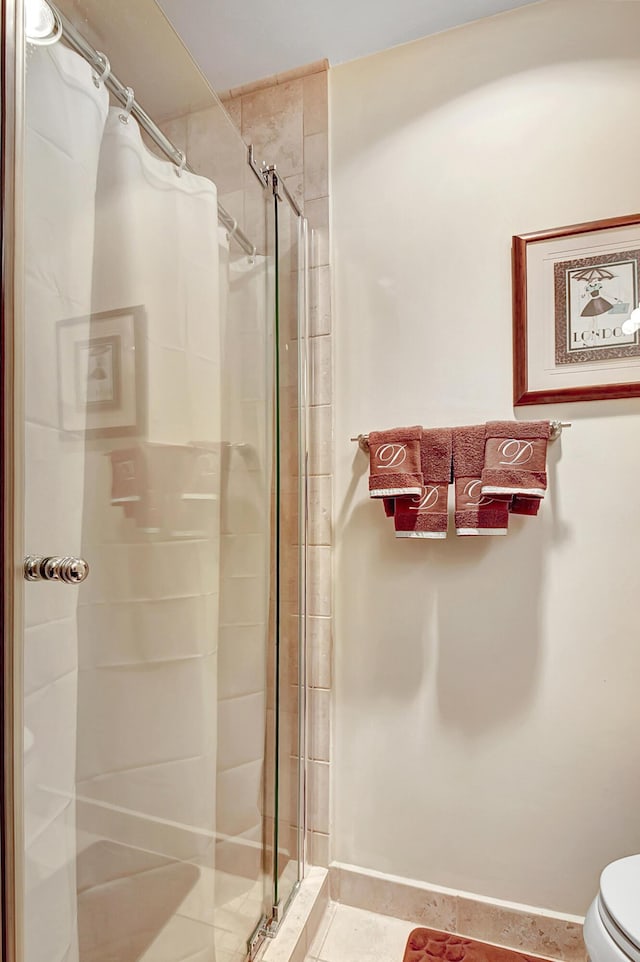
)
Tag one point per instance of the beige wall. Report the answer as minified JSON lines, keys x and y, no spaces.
{"x":487,"y":730}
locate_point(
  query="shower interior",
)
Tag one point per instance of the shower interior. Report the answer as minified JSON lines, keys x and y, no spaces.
{"x":163,"y":799}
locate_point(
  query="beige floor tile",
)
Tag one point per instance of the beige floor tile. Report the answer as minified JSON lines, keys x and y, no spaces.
{"x":356,"y":934}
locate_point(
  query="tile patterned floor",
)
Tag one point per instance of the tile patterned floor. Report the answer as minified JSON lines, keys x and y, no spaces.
{"x":347,"y":934}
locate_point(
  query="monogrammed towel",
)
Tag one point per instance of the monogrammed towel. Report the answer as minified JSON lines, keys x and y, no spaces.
{"x":394,"y":463}
{"x":515,"y":459}
{"x":475,"y":513}
{"x":425,"y":515}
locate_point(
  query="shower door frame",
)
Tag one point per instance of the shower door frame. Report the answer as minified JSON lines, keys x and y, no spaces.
{"x":12,"y":473}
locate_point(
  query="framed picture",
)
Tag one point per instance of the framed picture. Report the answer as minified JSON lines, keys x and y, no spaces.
{"x":574,"y":290}
{"x":101,"y":373}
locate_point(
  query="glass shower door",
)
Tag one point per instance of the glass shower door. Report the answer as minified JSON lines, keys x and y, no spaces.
{"x":148,"y":466}
{"x":290,"y":534}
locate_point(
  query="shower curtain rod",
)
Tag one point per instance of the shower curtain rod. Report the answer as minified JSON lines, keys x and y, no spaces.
{"x":124,"y":94}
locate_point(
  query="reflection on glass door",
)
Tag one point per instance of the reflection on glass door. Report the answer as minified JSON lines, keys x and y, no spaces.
{"x":148,"y":455}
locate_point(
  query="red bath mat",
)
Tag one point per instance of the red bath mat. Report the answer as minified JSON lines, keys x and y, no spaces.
{"x":425,"y":945}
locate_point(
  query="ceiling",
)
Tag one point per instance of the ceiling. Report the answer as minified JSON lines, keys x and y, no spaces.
{"x":238,"y":41}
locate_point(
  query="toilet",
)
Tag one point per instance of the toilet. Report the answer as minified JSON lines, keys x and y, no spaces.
{"x":612,"y":925}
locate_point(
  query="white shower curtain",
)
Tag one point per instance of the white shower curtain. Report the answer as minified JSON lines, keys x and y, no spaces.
{"x":65,"y":118}
{"x":149,"y":611}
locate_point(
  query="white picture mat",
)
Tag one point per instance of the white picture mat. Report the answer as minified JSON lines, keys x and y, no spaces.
{"x":542,"y":372}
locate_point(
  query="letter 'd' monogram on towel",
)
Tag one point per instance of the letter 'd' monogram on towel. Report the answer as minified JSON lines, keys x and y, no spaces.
{"x":472,"y":493}
{"x":515,"y":453}
{"x":427,"y":501}
{"x":391,"y":456}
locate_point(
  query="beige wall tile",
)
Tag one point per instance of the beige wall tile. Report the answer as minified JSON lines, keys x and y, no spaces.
{"x":213,"y":149}
{"x":318,"y":797}
{"x":318,"y":851}
{"x":272,"y":122}
{"x":412,"y":903}
{"x":321,"y":439}
{"x":320,"y":301}
{"x":233,"y":106}
{"x":540,"y":934}
{"x":295,"y":186}
{"x":320,"y":506}
{"x":319,"y":652}
{"x":316,"y":106}
{"x":317,"y":212}
{"x":316,"y":166}
{"x":319,"y":582}
{"x":319,"y":719}
{"x":321,"y":369}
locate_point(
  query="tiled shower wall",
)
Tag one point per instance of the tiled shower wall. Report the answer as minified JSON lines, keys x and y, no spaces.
{"x":286,"y":119}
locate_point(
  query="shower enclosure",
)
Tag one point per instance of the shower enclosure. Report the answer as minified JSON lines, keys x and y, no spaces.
{"x":154,"y":502}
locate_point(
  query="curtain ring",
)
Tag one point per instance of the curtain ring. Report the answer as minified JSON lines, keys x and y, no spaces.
{"x":100,"y":78}
{"x":54,"y":36}
{"x":128,"y":107}
{"x":183,"y":163}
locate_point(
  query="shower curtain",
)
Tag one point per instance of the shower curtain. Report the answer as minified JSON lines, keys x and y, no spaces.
{"x":65,"y":118}
{"x":148,"y":618}
{"x":120,"y":674}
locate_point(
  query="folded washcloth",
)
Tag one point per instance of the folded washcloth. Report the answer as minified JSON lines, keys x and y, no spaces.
{"x":394,"y":463}
{"x":389,"y":505}
{"x":475,"y":513}
{"x":527,"y":506}
{"x":515,"y":459}
{"x":425,"y":515}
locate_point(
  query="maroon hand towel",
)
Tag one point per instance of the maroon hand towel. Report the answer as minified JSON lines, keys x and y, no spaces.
{"x":425,"y":515}
{"x":527,"y":506}
{"x":394,"y":463}
{"x":389,"y":506}
{"x":475,"y":513}
{"x":515,"y":459}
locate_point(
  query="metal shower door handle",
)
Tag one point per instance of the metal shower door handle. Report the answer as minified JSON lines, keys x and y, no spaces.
{"x":71,"y":571}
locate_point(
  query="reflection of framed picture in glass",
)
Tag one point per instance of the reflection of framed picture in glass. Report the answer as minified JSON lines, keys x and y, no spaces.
{"x":101,"y":375}
{"x":574,"y":289}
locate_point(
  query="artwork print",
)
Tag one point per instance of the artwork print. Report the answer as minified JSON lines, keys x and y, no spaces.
{"x":594,"y":296}
{"x":102,"y":373}
{"x":98,"y":382}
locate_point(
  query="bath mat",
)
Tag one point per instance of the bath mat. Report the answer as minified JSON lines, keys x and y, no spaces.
{"x":125,"y":898}
{"x":424,"y":945}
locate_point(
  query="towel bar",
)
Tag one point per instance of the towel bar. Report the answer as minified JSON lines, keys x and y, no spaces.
{"x":556,"y":431}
